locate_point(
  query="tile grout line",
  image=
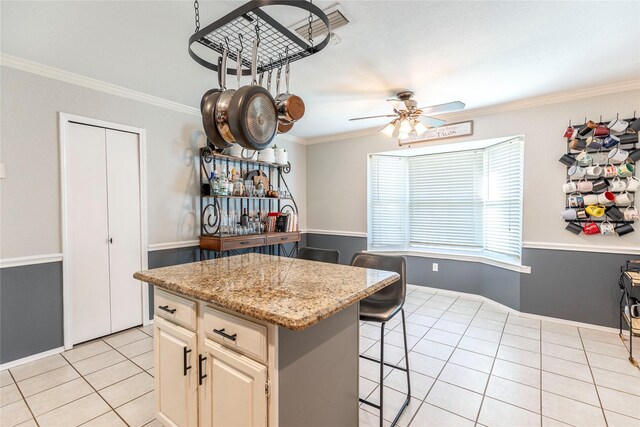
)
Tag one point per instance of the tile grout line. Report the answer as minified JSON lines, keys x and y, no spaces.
{"x":33,"y":416}
{"x":604,"y":415}
{"x":495,"y":357}
{"x":96,"y":392}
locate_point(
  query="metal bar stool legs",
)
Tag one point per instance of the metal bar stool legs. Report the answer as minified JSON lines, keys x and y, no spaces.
{"x":382,"y":365}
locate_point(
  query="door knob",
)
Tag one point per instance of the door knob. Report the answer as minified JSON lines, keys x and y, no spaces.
{"x":110,"y":239}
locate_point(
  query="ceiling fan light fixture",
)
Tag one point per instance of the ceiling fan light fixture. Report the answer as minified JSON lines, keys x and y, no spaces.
{"x":389,"y":129}
{"x":405,"y":126}
{"x":420,"y":128}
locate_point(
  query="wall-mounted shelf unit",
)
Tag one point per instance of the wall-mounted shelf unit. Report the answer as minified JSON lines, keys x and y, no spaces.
{"x":630,"y":287}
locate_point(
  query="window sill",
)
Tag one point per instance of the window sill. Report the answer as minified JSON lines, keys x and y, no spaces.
{"x":458,"y":257}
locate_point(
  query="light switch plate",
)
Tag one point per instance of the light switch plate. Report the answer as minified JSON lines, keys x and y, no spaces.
{"x":435,"y":266}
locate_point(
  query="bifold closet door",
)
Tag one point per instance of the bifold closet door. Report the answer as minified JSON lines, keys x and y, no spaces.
{"x":123,"y":184}
{"x":87,"y":232}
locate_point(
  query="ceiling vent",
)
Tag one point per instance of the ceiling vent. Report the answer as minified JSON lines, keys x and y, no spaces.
{"x":337,"y":18}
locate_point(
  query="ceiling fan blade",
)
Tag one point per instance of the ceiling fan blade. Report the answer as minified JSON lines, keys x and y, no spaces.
{"x":449,"y":106}
{"x":372,"y":117}
{"x":432,"y":121}
{"x":393,"y":99}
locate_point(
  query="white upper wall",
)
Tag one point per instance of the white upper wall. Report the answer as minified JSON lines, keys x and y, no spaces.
{"x":337,"y":170}
{"x":30,"y":195}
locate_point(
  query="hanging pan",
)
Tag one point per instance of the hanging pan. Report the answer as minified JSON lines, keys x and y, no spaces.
{"x":290,"y":107}
{"x":284,"y":126}
{"x":252,"y":111}
{"x":224,"y":99}
{"x":208,"y":105}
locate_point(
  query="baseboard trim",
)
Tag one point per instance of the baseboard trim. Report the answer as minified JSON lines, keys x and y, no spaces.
{"x":520,"y":313}
{"x":30,"y":260}
{"x":31,"y":358}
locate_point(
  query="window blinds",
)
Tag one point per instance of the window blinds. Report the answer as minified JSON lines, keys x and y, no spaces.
{"x":445,"y":191}
{"x":464,"y":201}
{"x":388,"y":202}
{"x":503,"y":198}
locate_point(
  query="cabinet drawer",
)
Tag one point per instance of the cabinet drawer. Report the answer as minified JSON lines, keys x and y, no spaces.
{"x":175,"y":308}
{"x":239,"y":334}
{"x":242,"y":242}
{"x":276,"y":238}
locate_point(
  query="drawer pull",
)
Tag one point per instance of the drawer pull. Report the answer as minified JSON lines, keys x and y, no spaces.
{"x":200,"y":376}
{"x":245,"y":243}
{"x":282,"y":239}
{"x":167,"y":309}
{"x":185,"y":367}
{"x":222,"y":333}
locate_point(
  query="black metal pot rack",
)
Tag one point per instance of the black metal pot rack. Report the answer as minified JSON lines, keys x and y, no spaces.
{"x":275,"y":39}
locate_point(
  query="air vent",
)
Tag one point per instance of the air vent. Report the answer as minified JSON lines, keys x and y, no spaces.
{"x":337,"y":19}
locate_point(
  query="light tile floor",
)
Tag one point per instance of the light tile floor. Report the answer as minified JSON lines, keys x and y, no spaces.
{"x":472,"y":364}
{"x":105,"y":382}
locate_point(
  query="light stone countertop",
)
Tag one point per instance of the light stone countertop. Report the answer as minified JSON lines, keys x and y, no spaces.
{"x":288,"y":292}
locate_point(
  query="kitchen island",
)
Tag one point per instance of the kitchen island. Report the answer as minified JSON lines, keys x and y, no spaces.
{"x":259,"y":340}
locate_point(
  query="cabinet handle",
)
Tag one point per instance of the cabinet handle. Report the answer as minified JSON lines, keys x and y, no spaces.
{"x":282,"y":239}
{"x":185,"y":353}
{"x":200,"y":376}
{"x":245,"y":243}
{"x":222,"y":333}
{"x":167,"y":309}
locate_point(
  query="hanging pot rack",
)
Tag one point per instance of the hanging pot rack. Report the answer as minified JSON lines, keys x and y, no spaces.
{"x":278,"y":45}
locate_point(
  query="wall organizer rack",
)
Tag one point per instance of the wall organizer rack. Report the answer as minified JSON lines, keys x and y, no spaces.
{"x":278,"y":45}
{"x":585,"y":141}
{"x":221,"y":229}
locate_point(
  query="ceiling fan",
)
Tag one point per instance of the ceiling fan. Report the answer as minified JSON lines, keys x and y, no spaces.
{"x":409,"y":119}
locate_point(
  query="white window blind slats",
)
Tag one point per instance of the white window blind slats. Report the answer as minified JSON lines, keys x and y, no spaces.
{"x":388,"y":202}
{"x":444,"y":189}
{"x":464,"y":200}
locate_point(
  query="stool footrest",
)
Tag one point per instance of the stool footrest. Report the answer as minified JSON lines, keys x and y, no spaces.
{"x":366,"y":402}
{"x":385,"y":363}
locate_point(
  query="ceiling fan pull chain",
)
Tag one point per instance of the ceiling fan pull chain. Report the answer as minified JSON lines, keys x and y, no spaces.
{"x":310,"y":29}
{"x":196,"y":8}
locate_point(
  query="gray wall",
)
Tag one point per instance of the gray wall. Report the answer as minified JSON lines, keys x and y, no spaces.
{"x":31,"y":320}
{"x":30,"y":310}
{"x":571,"y":285}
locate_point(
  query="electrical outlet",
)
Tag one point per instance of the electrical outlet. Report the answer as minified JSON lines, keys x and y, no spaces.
{"x":435,"y":266}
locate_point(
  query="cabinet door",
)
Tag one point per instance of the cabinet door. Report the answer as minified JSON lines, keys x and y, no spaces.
{"x":234,"y":393}
{"x":123,"y":186}
{"x":87,"y":251}
{"x":176,"y":376}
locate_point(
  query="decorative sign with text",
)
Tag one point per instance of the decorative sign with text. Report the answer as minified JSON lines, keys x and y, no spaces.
{"x":448,"y":131}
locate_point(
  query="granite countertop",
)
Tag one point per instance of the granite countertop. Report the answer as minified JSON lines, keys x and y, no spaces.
{"x":288,"y":292}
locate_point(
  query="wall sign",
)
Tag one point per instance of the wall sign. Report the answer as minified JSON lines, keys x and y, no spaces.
{"x":447,"y":131}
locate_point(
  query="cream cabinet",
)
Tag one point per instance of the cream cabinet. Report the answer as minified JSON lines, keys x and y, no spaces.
{"x":176,"y":376}
{"x":234,"y":391}
{"x":211,"y":366}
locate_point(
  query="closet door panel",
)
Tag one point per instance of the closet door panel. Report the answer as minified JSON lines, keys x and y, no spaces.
{"x":123,"y":186}
{"x":87,"y":232}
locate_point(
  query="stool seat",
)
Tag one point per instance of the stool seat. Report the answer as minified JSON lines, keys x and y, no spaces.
{"x":377,"y":311}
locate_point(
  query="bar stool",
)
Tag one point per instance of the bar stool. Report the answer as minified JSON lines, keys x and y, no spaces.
{"x":317,"y":254}
{"x":380,"y":308}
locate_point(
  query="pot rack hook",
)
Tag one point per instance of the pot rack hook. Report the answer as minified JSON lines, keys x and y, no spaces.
{"x":241,"y":38}
{"x":258,"y":29}
{"x":226,"y":40}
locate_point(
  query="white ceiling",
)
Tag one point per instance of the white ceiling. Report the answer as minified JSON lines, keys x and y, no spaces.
{"x":482,"y":53}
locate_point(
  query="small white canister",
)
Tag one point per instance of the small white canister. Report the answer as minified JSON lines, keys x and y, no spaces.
{"x":281,"y":156}
{"x":266,"y":155}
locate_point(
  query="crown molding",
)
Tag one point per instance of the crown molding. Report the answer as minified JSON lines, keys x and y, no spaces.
{"x":101,"y":86}
{"x":90,"y":83}
{"x":537,"y":101}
